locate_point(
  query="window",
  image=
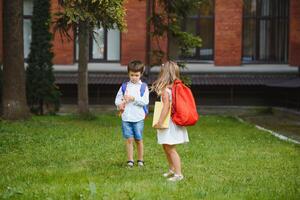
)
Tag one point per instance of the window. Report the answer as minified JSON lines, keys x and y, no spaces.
{"x":104,"y":47}
{"x":27,"y":10}
{"x":200,"y":23}
{"x":265,"y":31}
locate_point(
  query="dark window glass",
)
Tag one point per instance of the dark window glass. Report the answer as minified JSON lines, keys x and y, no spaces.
{"x":201,"y":23}
{"x":265,"y":31}
{"x":27,"y":12}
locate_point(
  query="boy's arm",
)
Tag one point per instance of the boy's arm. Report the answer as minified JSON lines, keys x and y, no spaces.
{"x":142,"y":101}
{"x":119,"y":97}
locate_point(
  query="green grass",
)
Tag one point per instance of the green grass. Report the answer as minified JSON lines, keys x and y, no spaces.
{"x":64,"y":157}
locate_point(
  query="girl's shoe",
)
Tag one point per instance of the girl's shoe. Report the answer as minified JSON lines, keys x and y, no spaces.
{"x":140,"y":163}
{"x":175,"y":178}
{"x":168,"y":174}
{"x":130,"y":163}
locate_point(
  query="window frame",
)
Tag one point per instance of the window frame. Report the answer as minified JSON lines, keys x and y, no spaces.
{"x":97,"y":60}
{"x":27,"y":17}
{"x":258,"y":18}
{"x":198,"y":17}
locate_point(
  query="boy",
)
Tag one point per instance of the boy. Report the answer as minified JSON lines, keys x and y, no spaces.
{"x":132,"y":99}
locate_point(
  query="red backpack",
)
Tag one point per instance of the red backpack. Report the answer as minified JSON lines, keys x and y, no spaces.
{"x":184,"y":110}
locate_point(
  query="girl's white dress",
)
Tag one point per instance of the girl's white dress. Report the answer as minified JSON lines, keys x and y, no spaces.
{"x":174,"y":134}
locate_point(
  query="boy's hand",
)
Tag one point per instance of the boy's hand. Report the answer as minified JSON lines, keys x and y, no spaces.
{"x":122,"y":107}
{"x":128,"y":98}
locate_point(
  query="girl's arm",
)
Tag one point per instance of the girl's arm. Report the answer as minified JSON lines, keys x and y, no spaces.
{"x":165,"y":110}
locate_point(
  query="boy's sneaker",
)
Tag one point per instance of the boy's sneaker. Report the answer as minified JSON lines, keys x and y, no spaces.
{"x":130,"y":163}
{"x":140,"y":163}
{"x":175,"y":178}
{"x":168,"y":174}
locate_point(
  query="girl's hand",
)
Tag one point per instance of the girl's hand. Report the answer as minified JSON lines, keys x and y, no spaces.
{"x":128,"y":98}
{"x":158,"y":125}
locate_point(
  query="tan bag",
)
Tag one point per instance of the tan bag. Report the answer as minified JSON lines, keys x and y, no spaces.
{"x":157,"y":111}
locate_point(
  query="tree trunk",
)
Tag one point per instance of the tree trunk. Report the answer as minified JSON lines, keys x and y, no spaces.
{"x":83,"y":100}
{"x":14,"y":95}
{"x":148,"y":42}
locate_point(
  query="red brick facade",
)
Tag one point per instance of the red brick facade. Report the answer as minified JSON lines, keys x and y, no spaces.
{"x":63,"y":49}
{"x":294,"y":47}
{"x":133,"y":42}
{"x":228,"y":32}
{"x":158,"y":43}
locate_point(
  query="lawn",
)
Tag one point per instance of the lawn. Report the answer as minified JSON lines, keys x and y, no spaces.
{"x":63,"y":157}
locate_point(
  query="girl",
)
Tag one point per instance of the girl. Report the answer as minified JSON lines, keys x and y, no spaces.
{"x":174,"y":134}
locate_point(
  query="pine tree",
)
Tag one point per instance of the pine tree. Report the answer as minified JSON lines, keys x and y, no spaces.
{"x":41,"y":89}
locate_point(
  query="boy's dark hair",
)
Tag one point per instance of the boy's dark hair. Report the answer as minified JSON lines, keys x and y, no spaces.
{"x":136,"y":66}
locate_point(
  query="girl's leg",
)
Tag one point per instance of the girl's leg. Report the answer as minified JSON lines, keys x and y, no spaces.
{"x":140,"y":149}
{"x":171,"y":166}
{"x":129,"y":149}
{"x":175,"y":159}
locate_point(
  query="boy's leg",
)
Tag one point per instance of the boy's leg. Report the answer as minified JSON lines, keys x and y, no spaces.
{"x":175,"y":159}
{"x":138,"y":135}
{"x":129,"y":149}
{"x":129,"y":138}
{"x":140,"y":149}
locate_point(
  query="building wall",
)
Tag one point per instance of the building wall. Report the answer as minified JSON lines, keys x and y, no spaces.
{"x":63,"y":48}
{"x":228,"y":32}
{"x":294,"y":46}
{"x":158,"y":43}
{"x":133,"y":41}
{"x":1,"y":30}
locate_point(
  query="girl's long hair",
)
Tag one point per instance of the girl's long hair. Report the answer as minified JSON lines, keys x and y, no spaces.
{"x":168,"y":74}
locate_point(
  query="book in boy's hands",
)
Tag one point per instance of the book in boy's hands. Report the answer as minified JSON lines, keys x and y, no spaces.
{"x":157,"y":111}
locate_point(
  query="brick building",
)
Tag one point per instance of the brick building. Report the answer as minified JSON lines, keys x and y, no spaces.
{"x":249,"y":54}
{"x":234,"y":32}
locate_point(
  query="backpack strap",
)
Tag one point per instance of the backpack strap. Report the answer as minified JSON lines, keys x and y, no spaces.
{"x":177,"y":81}
{"x":124,"y":86}
{"x":174,"y":95}
{"x":143,"y":89}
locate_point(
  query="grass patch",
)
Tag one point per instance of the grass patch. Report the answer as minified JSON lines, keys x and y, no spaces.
{"x":64,"y":157}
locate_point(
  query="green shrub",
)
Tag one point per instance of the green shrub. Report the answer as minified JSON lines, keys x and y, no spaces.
{"x":42,"y":93}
